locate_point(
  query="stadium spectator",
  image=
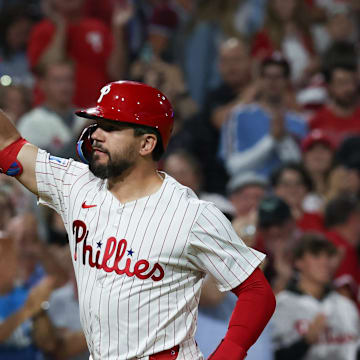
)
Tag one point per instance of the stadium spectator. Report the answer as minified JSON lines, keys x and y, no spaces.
{"x":7,"y":206}
{"x":53,"y":124}
{"x":340,"y":116}
{"x":36,"y":259}
{"x":99,"y":55}
{"x":64,"y":314}
{"x":155,"y":67}
{"x":56,"y":233}
{"x":187,"y":170}
{"x":344,"y":178}
{"x":235,"y":70}
{"x":162,"y":26}
{"x":318,"y":157}
{"x":250,"y":16}
{"x":16,"y":201}
{"x":15,"y":100}
{"x":25,"y":330}
{"x":342,"y":220}
{"x":292,"y":183}
{"x":276,"y":236}
{"x":312,"y":321}
{"x":16,"y":21}
{"x":261,"y":135}
{"x":201,"y":133}
{"x":287,"y":30}
{"x":245,"y":191}
{"x":343,"y":53}
{"x":355,"y":10}
{"x":339,"y":27}
{"x":212,"y":22}
{"x":101,"y":10}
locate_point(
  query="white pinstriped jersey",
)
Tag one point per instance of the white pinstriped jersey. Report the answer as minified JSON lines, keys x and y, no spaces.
{"x":140,"y":265}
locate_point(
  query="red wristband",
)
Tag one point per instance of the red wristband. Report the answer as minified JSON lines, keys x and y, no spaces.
{"x":9,"y":164}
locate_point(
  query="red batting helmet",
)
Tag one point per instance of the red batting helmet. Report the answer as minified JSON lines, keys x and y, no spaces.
{"x":134,"y":103}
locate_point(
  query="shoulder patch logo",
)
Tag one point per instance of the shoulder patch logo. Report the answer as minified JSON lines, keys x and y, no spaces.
{"x":58,"y":160}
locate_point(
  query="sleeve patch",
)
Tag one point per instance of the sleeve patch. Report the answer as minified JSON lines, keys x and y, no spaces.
{"x":58,"y":160}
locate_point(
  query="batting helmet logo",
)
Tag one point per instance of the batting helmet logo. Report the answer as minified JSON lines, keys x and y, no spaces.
{"x":104,"y":91}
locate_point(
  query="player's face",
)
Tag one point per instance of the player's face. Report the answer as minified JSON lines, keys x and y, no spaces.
{"x":115,"y":150}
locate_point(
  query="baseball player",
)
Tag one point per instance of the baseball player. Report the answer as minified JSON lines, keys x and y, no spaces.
{"x":141,"y":243}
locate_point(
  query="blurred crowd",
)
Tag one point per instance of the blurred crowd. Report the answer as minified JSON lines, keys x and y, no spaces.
{"x":267,"y":127}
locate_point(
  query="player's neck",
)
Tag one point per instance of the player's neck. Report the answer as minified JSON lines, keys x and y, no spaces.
{"x":136,"y":184}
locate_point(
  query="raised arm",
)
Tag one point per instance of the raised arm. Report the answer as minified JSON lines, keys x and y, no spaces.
{"x":117,"y":62}
{"x":55,"y":50}
{"x":17,"y":158}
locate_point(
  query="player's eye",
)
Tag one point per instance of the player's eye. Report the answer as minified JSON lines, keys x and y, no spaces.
{"x":108,"y":127}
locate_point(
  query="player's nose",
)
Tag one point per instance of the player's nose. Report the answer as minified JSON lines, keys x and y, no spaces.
{"x":98,"y":134}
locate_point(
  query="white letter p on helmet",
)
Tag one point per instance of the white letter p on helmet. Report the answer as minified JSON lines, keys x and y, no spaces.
{"x":105,"y":90}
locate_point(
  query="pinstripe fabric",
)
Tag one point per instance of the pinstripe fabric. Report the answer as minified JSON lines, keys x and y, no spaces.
{"x":140,"y":266}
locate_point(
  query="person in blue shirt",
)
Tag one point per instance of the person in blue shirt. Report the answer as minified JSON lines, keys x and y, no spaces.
{"x":24,"y":330}
{"x":261,"y":135}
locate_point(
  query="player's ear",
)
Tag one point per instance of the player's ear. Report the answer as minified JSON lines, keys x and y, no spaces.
{"x":148,"y":144}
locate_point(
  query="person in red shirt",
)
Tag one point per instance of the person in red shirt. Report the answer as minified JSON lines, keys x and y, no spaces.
{"x":318,"y":157}
{"x":286,"y":30}
{"x":98,"y":53}
{"x":341,"y":116}
{"x":342,"y":220}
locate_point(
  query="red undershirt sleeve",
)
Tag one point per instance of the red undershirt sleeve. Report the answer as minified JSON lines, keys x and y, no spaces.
{"x":254,"y":308}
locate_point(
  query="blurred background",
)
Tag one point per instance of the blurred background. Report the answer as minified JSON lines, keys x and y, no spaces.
{"x":267,"y":127}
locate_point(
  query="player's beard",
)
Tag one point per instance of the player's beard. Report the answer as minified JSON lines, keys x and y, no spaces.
{"x":117,"y":164}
